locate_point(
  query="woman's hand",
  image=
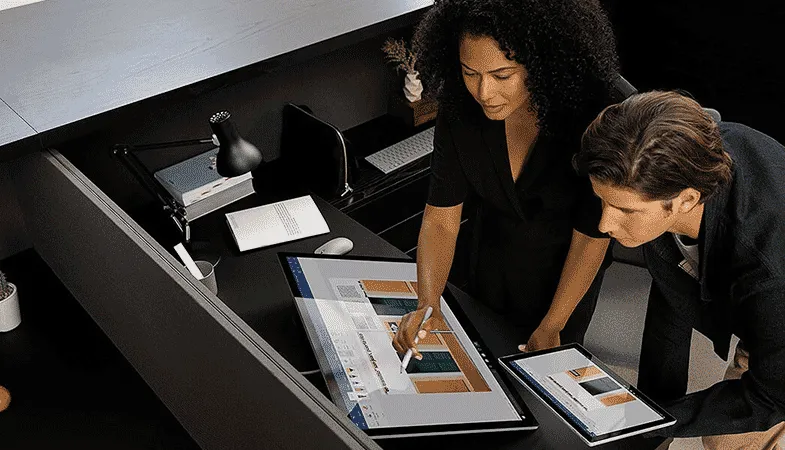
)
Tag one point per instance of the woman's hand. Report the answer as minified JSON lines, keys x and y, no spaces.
{"x":544,"y":337}
{"x":408,"y":330}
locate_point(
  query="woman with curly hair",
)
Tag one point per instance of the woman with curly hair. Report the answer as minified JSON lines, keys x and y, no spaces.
{"x":517,"y":82}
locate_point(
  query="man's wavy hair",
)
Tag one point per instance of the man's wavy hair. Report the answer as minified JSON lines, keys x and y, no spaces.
{"x":566,"y":46}
{"x":657,"y":144}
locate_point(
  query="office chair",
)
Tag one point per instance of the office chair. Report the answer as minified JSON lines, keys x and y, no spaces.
{"x":714,"y":114}
{"x":623,"y":89}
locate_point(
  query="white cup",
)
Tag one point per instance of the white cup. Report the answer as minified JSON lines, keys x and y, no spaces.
{"x":10,"y":316}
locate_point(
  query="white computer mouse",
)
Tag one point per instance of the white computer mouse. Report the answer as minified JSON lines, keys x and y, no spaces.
{"x":337,"y":246}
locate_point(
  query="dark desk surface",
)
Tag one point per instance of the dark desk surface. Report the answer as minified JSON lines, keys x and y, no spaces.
{"x":70,"y":386}
{"x":68,"y":60}
{"x":254,"y":286}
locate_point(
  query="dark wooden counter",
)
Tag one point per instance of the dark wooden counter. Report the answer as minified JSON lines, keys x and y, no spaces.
{"x":12,"y":129}
{"x":66,"y":61}
{"x":70,"y":387}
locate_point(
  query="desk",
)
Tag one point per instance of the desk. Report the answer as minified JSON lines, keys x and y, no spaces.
{"x":207,"y":357}
{"x":70,"y":386}
{"x":66,"y":61}
{"x":13,"y":129}
{"x":253,"y":285}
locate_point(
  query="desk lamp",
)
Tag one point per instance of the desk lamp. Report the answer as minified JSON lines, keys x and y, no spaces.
{"x":235,"y":157}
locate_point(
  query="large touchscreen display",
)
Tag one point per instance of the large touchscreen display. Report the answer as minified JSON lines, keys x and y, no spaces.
{"x":351,"y":310}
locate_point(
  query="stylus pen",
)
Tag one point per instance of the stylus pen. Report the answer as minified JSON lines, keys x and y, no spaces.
{"x":408,"y":356}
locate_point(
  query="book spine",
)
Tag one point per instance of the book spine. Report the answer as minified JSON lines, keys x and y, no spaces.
{"x":214,"y":188}
{"x":178,"y":197}
{"x":219,"y":200}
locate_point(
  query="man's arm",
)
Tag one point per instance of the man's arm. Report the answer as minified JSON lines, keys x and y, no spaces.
{"x":580,"y":268}
{"x":756,"y":402}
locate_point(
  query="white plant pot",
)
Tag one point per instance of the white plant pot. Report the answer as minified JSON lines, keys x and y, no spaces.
{"x":10,"y":317}
{"x":412,"y":87}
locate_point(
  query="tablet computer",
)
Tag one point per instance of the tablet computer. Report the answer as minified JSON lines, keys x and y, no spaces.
{"x":595,"y":402}
{"x":350,"y":308}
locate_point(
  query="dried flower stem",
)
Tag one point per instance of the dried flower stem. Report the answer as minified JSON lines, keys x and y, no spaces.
{"x":397,"y":52}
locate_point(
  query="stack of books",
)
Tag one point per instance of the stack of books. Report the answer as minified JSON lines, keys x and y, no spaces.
{"x":196,"y":185}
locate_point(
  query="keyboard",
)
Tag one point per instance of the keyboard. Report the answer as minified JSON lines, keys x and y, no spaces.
{"x":404,"y":152}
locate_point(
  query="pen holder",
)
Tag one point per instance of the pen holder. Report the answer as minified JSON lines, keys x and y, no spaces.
{"x":208,"y":275}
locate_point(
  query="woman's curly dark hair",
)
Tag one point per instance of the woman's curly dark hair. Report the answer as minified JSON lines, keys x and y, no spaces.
{"x":566,"y":46}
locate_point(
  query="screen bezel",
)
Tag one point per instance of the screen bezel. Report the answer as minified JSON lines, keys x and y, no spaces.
{"x":527,"y":422}
{"x":508,"y":363}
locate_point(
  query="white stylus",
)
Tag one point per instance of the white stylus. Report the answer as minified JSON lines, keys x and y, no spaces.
{"x":189,"y":262}
{"x":408,"y":356}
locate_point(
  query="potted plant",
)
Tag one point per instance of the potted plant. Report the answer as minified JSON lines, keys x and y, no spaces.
{"x":412,"y":107}
{"x":10,"y":317}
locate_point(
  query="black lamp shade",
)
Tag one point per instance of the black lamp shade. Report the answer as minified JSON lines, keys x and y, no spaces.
{"x":236,"y":156}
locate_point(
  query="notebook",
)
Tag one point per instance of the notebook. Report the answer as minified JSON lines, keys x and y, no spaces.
{"x":275,"y":223}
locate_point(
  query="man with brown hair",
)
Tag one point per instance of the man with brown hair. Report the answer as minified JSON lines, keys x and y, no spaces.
{"x":707,"y":202}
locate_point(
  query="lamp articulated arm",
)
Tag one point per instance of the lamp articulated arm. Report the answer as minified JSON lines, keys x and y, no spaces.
{"x":236,"y":156}
{"x":126,"y":154}
{"x":185,"y":143}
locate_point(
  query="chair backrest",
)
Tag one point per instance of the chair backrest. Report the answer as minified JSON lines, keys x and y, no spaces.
{"x":714,"y":114}
{"x":623,"y":89}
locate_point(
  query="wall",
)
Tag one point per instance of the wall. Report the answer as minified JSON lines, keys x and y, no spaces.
{"x":720,"y":52}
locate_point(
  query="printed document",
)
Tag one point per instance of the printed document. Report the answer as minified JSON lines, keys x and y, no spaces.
{"x":275,"y":223}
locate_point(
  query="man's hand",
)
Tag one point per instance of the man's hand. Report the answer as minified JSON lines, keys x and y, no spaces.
{"x":543,"y":338}
{"x":407,"y":330}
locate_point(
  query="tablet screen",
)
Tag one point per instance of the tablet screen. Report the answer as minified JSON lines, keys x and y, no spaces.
{"x":592,"y":399}
{"x":351,"y":310}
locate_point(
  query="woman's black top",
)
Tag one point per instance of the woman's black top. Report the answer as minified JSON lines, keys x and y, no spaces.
{"x":522,"y":229}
